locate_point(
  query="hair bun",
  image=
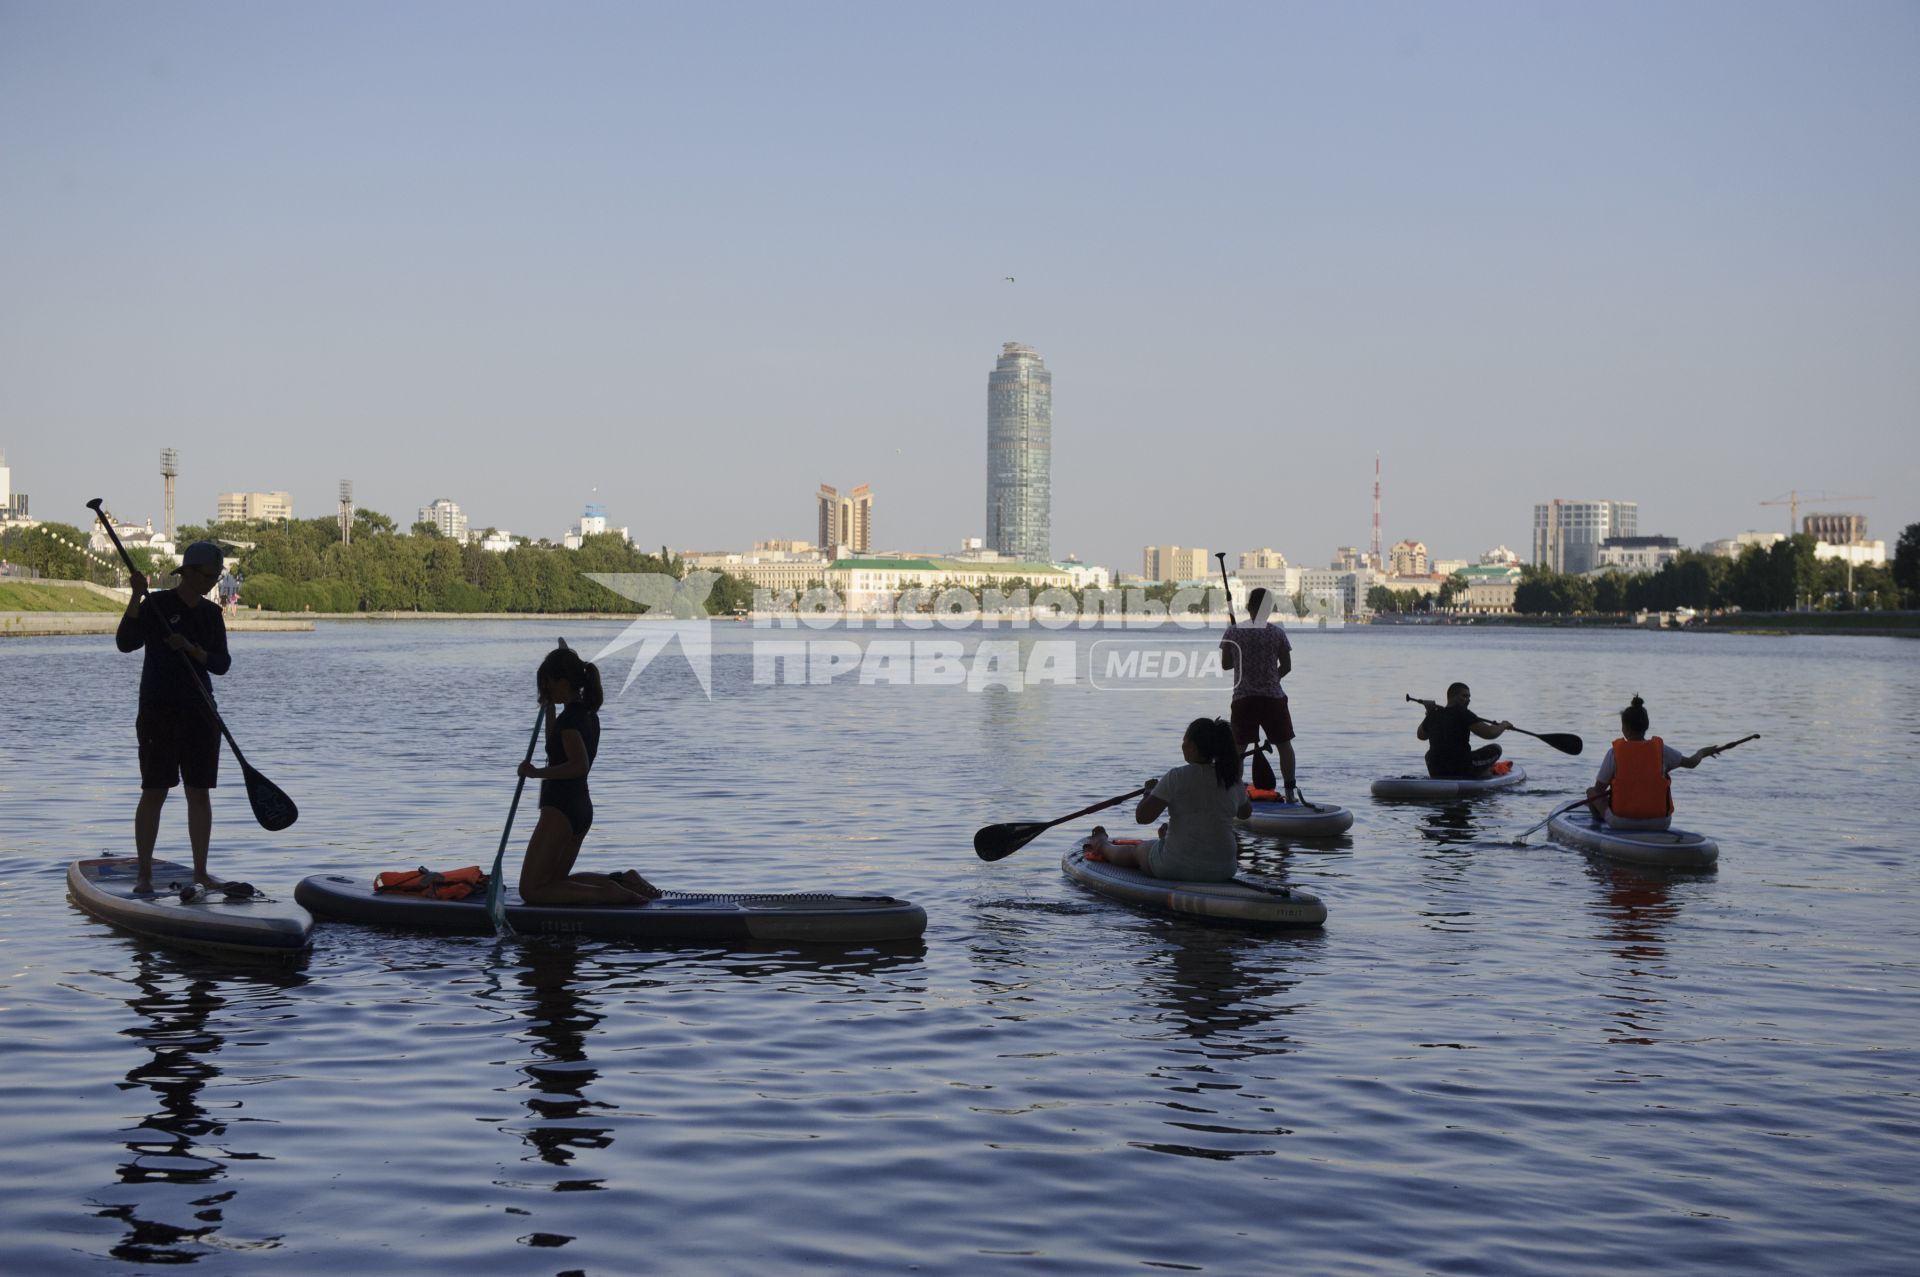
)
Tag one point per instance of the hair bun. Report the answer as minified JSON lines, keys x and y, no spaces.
{"x":1637,"y":701}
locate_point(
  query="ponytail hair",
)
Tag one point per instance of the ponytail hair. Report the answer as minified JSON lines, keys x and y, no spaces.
{"x":1634,"y":717}
{"x":564,"y":662}
{"x":1215,"y":740}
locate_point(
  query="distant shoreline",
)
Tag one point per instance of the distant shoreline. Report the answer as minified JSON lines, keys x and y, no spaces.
{"x":1862,"y":624}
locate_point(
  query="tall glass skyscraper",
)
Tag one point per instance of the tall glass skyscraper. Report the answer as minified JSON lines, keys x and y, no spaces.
{"x":1020,"y":455}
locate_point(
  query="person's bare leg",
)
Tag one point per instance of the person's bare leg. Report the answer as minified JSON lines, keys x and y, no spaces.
{"x":1124,"y":855}
{"x":146,"y":832}
{"x":546,"y":873}
{"x":1287,"y":771}
{"x":199,"y":830}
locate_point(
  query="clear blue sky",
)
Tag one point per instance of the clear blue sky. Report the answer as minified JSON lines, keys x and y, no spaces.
{"x":704,"y":258}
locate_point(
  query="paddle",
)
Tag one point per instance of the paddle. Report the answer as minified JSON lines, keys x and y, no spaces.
{"x":271,"y":806}
{"x":1605,"y":789}
{"x":496,"y":894}
{"x":1226,"y":581}
{"x":1521,"y":839}
{"x":997,"y":842}
{"x":1565,"y":742}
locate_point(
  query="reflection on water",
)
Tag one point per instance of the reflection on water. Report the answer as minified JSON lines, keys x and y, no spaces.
{"x":559,"y":1018}
{"x":182,"y":1142}
{"x":1635,"y":909}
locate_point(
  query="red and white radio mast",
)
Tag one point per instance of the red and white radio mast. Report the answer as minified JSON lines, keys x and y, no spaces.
{"x":1376,"y":512}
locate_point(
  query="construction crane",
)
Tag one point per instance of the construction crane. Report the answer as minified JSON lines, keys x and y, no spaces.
{"x":1794,"y":498}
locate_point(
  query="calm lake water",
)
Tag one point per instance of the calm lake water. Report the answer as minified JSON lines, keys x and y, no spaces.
{"x":1493,"y":1059}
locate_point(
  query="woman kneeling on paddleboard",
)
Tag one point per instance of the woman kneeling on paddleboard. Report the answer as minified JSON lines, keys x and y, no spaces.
{"x":566,"y":807}
{"x":1632,"y":790}
{"x":1204,"y":795}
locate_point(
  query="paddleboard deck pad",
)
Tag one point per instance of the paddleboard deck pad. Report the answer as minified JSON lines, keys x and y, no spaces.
{"x":1434,"y":787}
{"x":795,"y":919}
{"x":1655,"y":848}
{"x":210,"y":920}
{"x":1239,"y":902}
{"x":1298,"y":820}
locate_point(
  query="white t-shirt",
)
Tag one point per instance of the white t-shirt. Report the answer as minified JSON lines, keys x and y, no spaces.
{"x":1199,"y":845}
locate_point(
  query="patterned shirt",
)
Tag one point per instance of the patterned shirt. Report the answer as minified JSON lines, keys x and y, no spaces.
{"x":1258,"y":660}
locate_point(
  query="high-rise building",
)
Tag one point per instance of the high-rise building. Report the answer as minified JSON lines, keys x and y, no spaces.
{"x":1835,"y":529}
{"x":253,"y":507}
{"x":1408,"y":558}
{"x":1567,"y":534}
{"x":846,"y":522}
{"x":1171,"y":563}
{"x":1020,"y":455}
{"x":1262,"y":560}
{"x":447,"y":516}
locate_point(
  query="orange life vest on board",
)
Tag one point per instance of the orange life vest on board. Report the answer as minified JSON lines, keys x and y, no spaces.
{"x":454,"y":884}
{"x":1641,"y":790}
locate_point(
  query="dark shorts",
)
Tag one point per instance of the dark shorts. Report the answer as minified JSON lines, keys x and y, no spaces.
{"x":1476,"y":768}
{"x":576,"y":806}
{"x":1252,"y":714}
{"x":178,"y":743}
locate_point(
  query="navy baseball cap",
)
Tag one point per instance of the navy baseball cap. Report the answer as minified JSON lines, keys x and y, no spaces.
{"x":203,"y":554}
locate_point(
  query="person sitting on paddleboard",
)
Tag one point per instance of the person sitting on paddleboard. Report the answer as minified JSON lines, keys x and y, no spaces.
{"x":566,"y":806}
{"x":1448,"y":730}
{"x":1197,"y":844}
{"x":1631,"y":790}
{"x":179,"y":739}
{"x":1263,"y":655}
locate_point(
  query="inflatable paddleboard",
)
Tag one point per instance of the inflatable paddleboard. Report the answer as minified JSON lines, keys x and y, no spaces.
{"x":798,"y":919}
{"x":1432,"y":787}
{"x":1240,"y":902}
{"x":1298,"y":820}
{"x":1654,"y":848}
{"x":179,"y":913}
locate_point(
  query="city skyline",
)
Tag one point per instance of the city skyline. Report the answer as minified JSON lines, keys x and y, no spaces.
{"x":1506,"y":270}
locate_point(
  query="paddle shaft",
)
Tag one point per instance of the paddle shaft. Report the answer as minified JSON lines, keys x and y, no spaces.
{"x":494,"y":889}
{"x":1565,"y":742}
{"x":1228,"y":583}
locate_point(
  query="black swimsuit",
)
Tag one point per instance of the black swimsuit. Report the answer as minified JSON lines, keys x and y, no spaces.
{"x":570,"y":797}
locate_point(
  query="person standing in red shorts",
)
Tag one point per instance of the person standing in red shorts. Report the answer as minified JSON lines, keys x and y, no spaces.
{"x":1263,"y":655}
{"x":185,"y":642}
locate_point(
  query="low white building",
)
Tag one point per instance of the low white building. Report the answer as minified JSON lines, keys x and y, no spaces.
{"x":1734,"y":546}
{"x":499,"y":541}
{"x":593,"y":522}
{"x":1490,"y":588}
{"x":1635,"y":554}
{"x":135,"y":536}
{"x":875,"y":584}
{"x":1861,"y":554}
{"x":1283,"y":580}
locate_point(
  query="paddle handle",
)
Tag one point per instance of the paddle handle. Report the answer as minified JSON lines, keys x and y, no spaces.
{"x":1730,"y":744}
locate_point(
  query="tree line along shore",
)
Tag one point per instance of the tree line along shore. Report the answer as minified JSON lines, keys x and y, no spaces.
{"x":302,"y":565}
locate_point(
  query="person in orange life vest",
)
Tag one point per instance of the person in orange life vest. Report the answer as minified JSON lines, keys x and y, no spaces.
{"x":1636,"y":770}
{"x":1259,"y":702}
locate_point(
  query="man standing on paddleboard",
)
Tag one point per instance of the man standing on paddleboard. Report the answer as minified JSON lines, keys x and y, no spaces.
{"x":179,"y":739}
{"x":1264,"y":655}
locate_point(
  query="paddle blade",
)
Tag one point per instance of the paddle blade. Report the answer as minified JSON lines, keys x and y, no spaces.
{"x":997,"y":842}
{"x":497,"y":906}
{"x":271,"y":806}
{"x":1565,"y":742}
